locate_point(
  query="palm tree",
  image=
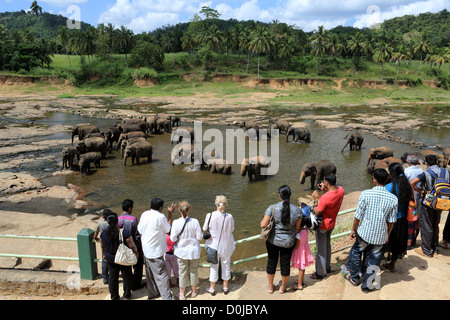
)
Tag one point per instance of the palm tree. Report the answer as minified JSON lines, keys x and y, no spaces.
{"x":260,"y":42}
{"x":35,"y":8}
{"x":356,"y":46}
{"x":187,"y":42}
{"x":125,"y":41}
{"x":63,"y":38}
{"x":403,"y":54}
{"x":382,"y":54}
{"x":423,"y":46}
{"x":319,"y":41}
{"x":286,"y":49}
{"x":90,"y":45}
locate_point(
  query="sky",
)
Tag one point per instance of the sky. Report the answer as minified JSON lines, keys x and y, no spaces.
{"x":148,"y":15}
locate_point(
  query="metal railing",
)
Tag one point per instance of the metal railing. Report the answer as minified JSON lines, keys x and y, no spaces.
{"x":87,"y":256}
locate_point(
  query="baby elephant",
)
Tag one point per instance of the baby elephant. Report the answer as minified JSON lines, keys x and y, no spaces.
{"x":68,"y":154}
{"x":220,"y":166}
{"x":86,"y":159}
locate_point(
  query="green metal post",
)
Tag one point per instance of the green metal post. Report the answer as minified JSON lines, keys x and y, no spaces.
{"x":87,"y":254}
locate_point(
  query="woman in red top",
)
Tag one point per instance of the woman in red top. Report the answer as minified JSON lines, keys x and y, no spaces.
{"x":327,"y":206}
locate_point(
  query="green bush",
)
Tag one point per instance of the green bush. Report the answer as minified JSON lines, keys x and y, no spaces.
{"x":146,"y":54}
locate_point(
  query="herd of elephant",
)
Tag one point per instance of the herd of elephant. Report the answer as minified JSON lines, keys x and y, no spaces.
{"x":130,"y":138}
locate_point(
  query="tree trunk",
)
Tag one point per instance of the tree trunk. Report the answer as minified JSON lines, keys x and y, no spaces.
{"x":420,"y":66}
{"x":317,"y":66}
{"x":382,"y":70}
{"x":126,"y":59}
{"x":248,"y":59}
{"x":398,"y":69}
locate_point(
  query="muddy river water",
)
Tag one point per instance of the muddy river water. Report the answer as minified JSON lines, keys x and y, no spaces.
{"x":247,"y":201}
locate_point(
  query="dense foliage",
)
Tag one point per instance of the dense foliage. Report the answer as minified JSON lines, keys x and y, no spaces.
{"x":28,"y":40}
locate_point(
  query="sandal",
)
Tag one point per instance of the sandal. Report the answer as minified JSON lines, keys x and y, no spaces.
{"x":211,"y":292}
{"x":225,"y":291}
{"x":344,"y":269}
{"x":296,"y":287}
{"x":349,"y":279}
{"x":279,"y":290}
{"x":315,"y":276}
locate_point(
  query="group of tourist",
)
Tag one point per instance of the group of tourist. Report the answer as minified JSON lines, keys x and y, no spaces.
{"x":383,"y":224}
{"x":163,"y":246}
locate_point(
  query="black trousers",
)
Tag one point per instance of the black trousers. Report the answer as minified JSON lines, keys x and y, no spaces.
{"x":113,"y":280}
{"x":446,"y":233}
{"x":273,"y":254}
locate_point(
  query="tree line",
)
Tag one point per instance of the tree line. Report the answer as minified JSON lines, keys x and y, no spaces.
{"x":210,"y":40}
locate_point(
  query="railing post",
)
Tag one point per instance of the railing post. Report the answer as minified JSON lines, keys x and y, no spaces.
{"x":86,"y":254}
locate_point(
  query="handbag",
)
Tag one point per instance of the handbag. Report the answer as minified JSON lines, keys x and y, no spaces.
{"x":207,"y":234}
{"x":211,"y":253}
{"x":124,"y":255}
{"x":265,"y":232}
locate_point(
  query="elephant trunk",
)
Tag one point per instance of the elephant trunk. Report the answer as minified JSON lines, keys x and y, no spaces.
{"x":125,"y":159}
{"x":302,"y":177}
{"x":348,"y":141}
{"x":369,"y":158}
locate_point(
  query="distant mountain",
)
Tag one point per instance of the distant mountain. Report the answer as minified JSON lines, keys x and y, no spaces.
{"x":45,"y":25}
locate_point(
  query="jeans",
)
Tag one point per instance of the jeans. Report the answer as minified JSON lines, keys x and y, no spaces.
{"x":372,"y":257}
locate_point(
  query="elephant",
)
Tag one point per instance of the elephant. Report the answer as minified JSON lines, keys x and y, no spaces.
{"x":282,"y":125}
{"x":86,"y":159}
{"x":419,"y":155}
{"x":129,"y":135}
{"x":175,"y":120}
{"x":252,"y":167}
{"x":137,"y":150}
{"x":125,"y":143}
{"x":299,"y":134}
{"x":440,"y":157}
{"x":379,"y":153}
{"x":94,"y":135}
{"x":132,"y":127}
{"x":355,"y":140}
{"x":112,"y":135}
{"x":82,"y":130}
{"x":163,"y":124}
{"x":180,"y":132}
{"x":220,"y":166}
{"x":247,"y":124}
{"x":92,"y":145}
{"x":382,"y":163}
{"x":446,"y":157}
{"x":68,"y":155}
{"x":318,"y":169}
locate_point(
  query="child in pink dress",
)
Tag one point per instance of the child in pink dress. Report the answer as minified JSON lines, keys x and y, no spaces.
{"x":301,"y":256}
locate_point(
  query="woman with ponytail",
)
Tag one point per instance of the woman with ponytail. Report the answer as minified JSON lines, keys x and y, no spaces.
{"x":109,"y":241}
{"x":398,"y":239}
{"x":287,"y":222}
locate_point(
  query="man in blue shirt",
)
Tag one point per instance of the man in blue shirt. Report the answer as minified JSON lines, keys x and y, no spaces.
{"x":375,"y":216}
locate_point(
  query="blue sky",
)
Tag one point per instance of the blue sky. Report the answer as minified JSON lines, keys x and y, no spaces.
{"x":147,"y":15}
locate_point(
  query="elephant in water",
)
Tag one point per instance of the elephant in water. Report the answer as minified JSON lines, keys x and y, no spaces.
{"x":355,"y":140}
{"x":92,"y":145}
{"x":137,"y":150}
{"x":379,"y":153}
{"x":281,"y":125}
{"x":68,"y":154}
{"x":220,"y":166}
{"x":83,"y":130}
{"x":299,"y":134}
{"x":180,"y":132}
{"x":252,"y":167}
{"x":129,"y":135}
{"x":86,"y":159}
{"x":318,"y":169}
{"x":382,"y":163}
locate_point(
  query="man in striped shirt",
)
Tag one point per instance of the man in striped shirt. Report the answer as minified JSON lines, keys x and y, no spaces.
{"x":375,"y":216}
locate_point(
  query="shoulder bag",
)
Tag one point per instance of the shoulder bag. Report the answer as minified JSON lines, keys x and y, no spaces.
{"x":207,"y":234}
{"x":211,"y":253}
{"x":185,"y":222}
{"x":124,"y":255}
{"x":267,"y":230}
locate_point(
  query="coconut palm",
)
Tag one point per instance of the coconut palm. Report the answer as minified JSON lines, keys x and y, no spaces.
{"x":319,"y":42}
{"x":125,"y":41}
{"x":35,"y":8}
{"x":286,"y":48}
{"x":382,"y":54}
{"x":403,"y":54}
{"x":356,"y":45}
{"x":260,"y":42}
{"x":423,"y":46}
{"x":63,"y":38}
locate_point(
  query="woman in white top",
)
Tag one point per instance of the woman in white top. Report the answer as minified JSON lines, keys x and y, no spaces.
{"x":186,"y":233}
{"x":221,"y":227}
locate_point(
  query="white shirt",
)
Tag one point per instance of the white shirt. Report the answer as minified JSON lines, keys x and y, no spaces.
{"x":226,"y":245}
{"x":188,"y":245}
{"x":153,"y":227}
{"x":411,"y":173}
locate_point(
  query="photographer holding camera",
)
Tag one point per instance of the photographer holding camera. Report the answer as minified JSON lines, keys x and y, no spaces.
{"x":327,"y":206}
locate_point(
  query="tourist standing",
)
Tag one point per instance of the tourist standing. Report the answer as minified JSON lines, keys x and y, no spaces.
{"x":129,"y":222}
{"x":187,"y":234}
{"x":327,"y":206}
{"x":153,"y":227}
{"x":398,"y":239}
{"x":103,"y":225}
{"x":287,"y":222}
{"x":412,"y":172}
{"x":221,"y":226}
{"x":109,"y":241}
{"x":375,"y":216}
{"x":429,"y":218}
